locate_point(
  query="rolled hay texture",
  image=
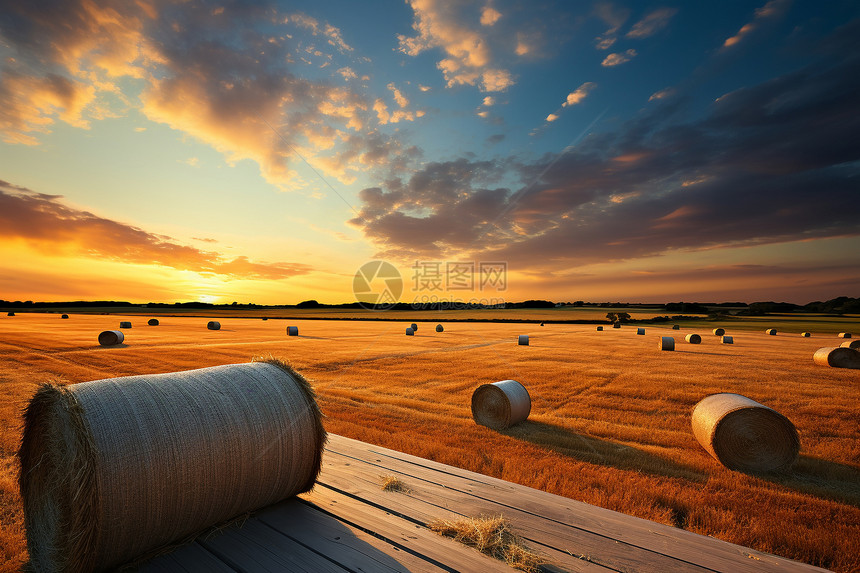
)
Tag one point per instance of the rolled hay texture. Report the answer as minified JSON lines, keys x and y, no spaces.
{"x":719,"y":331}
{"x":616,"y":325}
{"x":414,"y":327}
{"x":837,"y":357}
{"x":727,"y":339}
{"x":65,"y":316}
{"x":125,"y":324}
{"x":213,"y":325}
{"x":409,"y":331}
{"x":805,"y":334}
{"x":292,"y":331}
{"x":523,"y":340}
{"x":844,"y":335}
{"x":439,"y":328}
{"x":111,"y":337}
{"x":853,"y":344}
{"x":744,"y":435}
{"x":667,"y":343}
{"x":152,"y":322}
{"x":501,"y":404}
{"x":693,"y":339}
{"x":770,"y":331}
{"x":112,"y":470}
{"x":676,"y":327}
{"x":640,"y":331}
{"x":599,"y":329}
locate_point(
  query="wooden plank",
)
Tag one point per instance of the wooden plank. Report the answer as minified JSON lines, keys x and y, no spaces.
{"x":406,"y":535}
{"x":190,"y":558}
{"x":348,"y":545}
{"x":683,"y":545}
{"x":255,"y":547}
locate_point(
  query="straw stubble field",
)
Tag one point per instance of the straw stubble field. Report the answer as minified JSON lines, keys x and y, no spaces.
{"x":610,"y":420}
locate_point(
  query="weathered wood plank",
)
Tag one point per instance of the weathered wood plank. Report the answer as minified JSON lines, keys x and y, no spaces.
{"x":348,"y":545}
{"x":407,"y":535}
{"x":649,"y":536}
{"x":190,"y":558}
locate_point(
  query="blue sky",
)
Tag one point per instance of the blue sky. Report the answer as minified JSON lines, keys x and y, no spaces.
{"x":642,"y":151}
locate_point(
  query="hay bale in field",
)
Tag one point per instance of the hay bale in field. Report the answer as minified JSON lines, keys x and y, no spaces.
{"x":125,"y":324}
{"x":409,"y":331}
{"x":719,"y":331}
{"x":111,"y":337}
{"x":676,"y":327}
{"x":805,"y":334}
{"x":744,"y":435}
{"x":213,"y":325}
{"x":693,"y":339}
{"x":292,"y":331}
{"x":541,"y":324}
{"x":616,"y":325}
{"x":65,"y":316}
{"x":265,"y":318}
{"x":501,"y":404}
{"x":837,"y":357}
{"x":853,"y":344}
{"x":599,"y":329}
{"x":152,"y":322}
{"x":844,"y":335}
{"x":666,"y":343}
{"x":10,"y":314}
{"x":523,"y":340}
{"x":439,"y":328}
{"x":414,"y":327}
{"x":640,"y":331}
{"x":112,"y":470}
{"x":770,"y":331}
{"x":727,"y":339}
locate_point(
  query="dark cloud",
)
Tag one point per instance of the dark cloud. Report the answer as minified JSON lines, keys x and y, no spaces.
{"x":44,"y":222}
{"x":778,"y":161}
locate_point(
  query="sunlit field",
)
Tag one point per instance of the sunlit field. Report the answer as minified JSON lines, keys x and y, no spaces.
{"x":610,"y":420}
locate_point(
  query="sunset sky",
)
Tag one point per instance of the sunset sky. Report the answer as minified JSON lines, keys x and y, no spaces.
{"x":263,"y":151}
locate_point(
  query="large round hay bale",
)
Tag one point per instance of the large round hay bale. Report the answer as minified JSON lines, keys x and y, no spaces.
{"x":439,"y":328}
{"x":805,"y":334}
{"x":112,"y":470}
{"x":292,"y":331}
{"x":837,"y":357}
{"x":65,"y":316}
{"x":501,"y":404}
{"x":409,"y":331}
{"x":10,"y":313}
{"x":265,"y":318}
{"x":414,"y":327}
{"x":213,"y":325}
{"x":523,"y":340}
{"x":853,"y":344}
{"x":676,"y":327}
{"x":744,"y":435}
{"x":111,"y":337}
{"x":770,"y":331}
{"x":844,"y":335}
{"x":125,"y":324}
{"x":599,"y":329}
{"x":666,"y":343}
{"x":616,"y":325}
{"x":719,"y":331}
{"x":640,"y":331}
{"x":693,"y":339}
{"x":152,"y":322}
{"x":541,"y":324}
{"x":727,"y":339}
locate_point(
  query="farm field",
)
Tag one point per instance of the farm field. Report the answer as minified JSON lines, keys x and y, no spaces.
{"x":609,"y":425}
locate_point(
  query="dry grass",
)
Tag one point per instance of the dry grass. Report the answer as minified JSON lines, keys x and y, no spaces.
{"x":393,"y":483}
{"x":610,"y":420}
{"x":492,"y":536}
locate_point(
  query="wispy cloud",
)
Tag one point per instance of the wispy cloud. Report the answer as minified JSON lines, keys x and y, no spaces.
{"x":772,"y":9}
{"x":579,"y":94}
{"x":652,"y":23}
{"x":614,"y":17}
{"x":44,"y":222}
{"x":618,"y":58}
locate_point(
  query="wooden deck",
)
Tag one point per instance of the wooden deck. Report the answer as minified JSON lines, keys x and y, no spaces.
{"x":348,"y":523}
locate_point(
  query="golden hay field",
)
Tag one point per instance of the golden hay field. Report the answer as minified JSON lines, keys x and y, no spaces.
{"x":610,"y":421}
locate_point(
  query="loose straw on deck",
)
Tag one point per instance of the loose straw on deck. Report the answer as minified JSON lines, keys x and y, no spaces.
{"x":744,"y":435}
{"x":114,"y":469}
